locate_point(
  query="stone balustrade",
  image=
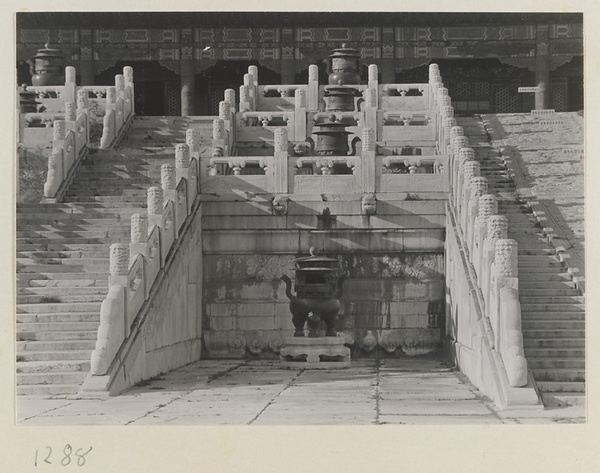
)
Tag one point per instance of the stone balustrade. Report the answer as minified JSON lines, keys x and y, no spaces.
{"x":135,"y":267}
{"x":64,"y":120}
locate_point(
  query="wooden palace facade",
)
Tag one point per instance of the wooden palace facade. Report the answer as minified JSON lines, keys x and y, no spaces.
{"x":183,"y":61}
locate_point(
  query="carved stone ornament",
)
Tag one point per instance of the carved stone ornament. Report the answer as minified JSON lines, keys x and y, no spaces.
{"x":139,"y":228}
{"x":155,"y":201}
{"x":497,"y":227}
{"x":369,"y":204}
{"x":119,"y":259}
{"x":167,"y":174}
{"x":505,"y":258}
{"x":182,"y":156}
{"x":280,"y":204}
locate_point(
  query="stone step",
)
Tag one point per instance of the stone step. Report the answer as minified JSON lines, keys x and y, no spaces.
{"x":553,"y":324}
{"x":41,"y":261}
{"x":53,"y":366}
{"x":58,"y":336}
{"x":62,"y":246}
{"x":67,"y":254}
{"x":59,"y":317}
{"x":58,"y":307}
{"x":132,"y":191}
{"x":541,"y":292}
{"x":561,"y":399}
{"x":561,"y":386}
{"x":541,"y":307}
{"x":62,"y":283}
{"x":48,"y":389}
{"x":131,"y":165}
{"x":555,"y":299}
{"x":62,"y":240}
{"x":57,"y":326}
{"x":53,"y":345}
{"x":550,"y":353}
{"x":68,"y":355}
{"x":64,"y":221}
{"x":543,"y":275}
{"x":548,"y":333}
{"x":558,"y":363}
{"x":559,"y":374}
{"x":99,"y":296}
{"x":540,"y":263}
{"x":74,"y":378}
{"x":536,"y":252}
{"x":61,"y":291}
{"x":76,"y":267}
{"x":552,"y":315}
{"x":554,"y":343}
{"x":137,"y":199}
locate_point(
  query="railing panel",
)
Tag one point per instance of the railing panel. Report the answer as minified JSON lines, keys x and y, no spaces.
{"x":136,"y":291}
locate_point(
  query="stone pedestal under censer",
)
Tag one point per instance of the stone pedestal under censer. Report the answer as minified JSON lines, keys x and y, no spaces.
{"x":316,"y":304}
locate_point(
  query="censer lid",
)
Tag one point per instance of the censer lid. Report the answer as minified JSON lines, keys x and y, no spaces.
{"x":313,"y":262}
{"x":332,"y":125}
{"x":345,"y":51}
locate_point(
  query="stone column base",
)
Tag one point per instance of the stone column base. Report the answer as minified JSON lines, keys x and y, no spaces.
{"x":315,"y":353}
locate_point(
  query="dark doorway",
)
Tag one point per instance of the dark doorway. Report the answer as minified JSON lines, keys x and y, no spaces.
{"x":212,"y":83}
{"x":157,"y":91}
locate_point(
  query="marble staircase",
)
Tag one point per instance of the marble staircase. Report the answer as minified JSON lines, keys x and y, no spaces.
{"x":552,"y":308}
{"x":63,"y":254}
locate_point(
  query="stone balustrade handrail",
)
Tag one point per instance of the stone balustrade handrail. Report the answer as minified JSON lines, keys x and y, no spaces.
{"x":267,"y":116}
{"x":327,"y":162}
{"x":67,"y":152}
{"x":415,"y":160}
{"x":135,"y":266}
{"x":404,"y":88}
{"x":407,"y":118}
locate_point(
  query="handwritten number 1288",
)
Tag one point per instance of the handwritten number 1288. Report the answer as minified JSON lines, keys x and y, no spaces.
{"x":67,"y":457}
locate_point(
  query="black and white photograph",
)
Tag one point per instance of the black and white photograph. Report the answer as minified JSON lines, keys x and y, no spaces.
{"x":242,"y":218}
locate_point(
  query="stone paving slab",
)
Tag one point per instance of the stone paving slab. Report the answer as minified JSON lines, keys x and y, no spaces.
{"x":257,"y":393}
{"x":439,"y":420}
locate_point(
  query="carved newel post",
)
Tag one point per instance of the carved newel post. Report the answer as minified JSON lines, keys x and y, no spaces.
{"x":510,"y":342}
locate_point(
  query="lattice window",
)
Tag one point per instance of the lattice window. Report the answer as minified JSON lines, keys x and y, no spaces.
{"x":558,"y":96}
{"x":462,"y":89}
{"x":481,"y":88}
{"x":172,"y":99}
{"x":506,"y":100}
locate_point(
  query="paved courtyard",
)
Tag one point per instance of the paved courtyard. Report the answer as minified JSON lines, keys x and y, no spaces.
{"x":242,"y":392}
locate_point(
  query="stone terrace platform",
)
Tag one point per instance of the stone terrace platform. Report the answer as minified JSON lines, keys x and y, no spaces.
{"x":220,"y":392}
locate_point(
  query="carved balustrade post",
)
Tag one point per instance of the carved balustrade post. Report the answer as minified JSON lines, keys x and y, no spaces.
{"x":373,"y":83}
{"x":119,"y":264}
{"x":59,"y":131}
{"x":497,"y":229}
{"x":371,"y":105}
{"x":509,"y":332}
{"x":468,"y":170}
{"x":245,"y":99}
{"x":249,"y":81}
{"x":184,"y":170}
{"x":487,"y":206}
{"x":369,"y":148}
{"x":229,"y":96}
{"x":192,"y":139}
{"x":139,"y":235}
{"x":477,"y":187}
{"x":70,"y":84}
{"x":155,"y":207}
{"x":253,"y":71}
{"x":313,"y":88}
{"x":280,"y":162}
{"x":300,"y":114}
{"x":219,"y":144}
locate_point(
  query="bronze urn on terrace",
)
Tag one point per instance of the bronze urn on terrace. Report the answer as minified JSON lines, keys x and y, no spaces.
{"x":342,"y":70}
{"x":48,"y":67}
{"x":318,"y":288}
{"x":332,"y":139}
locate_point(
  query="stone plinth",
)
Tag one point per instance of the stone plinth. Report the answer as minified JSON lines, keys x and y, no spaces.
{"x":313,"y":348}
